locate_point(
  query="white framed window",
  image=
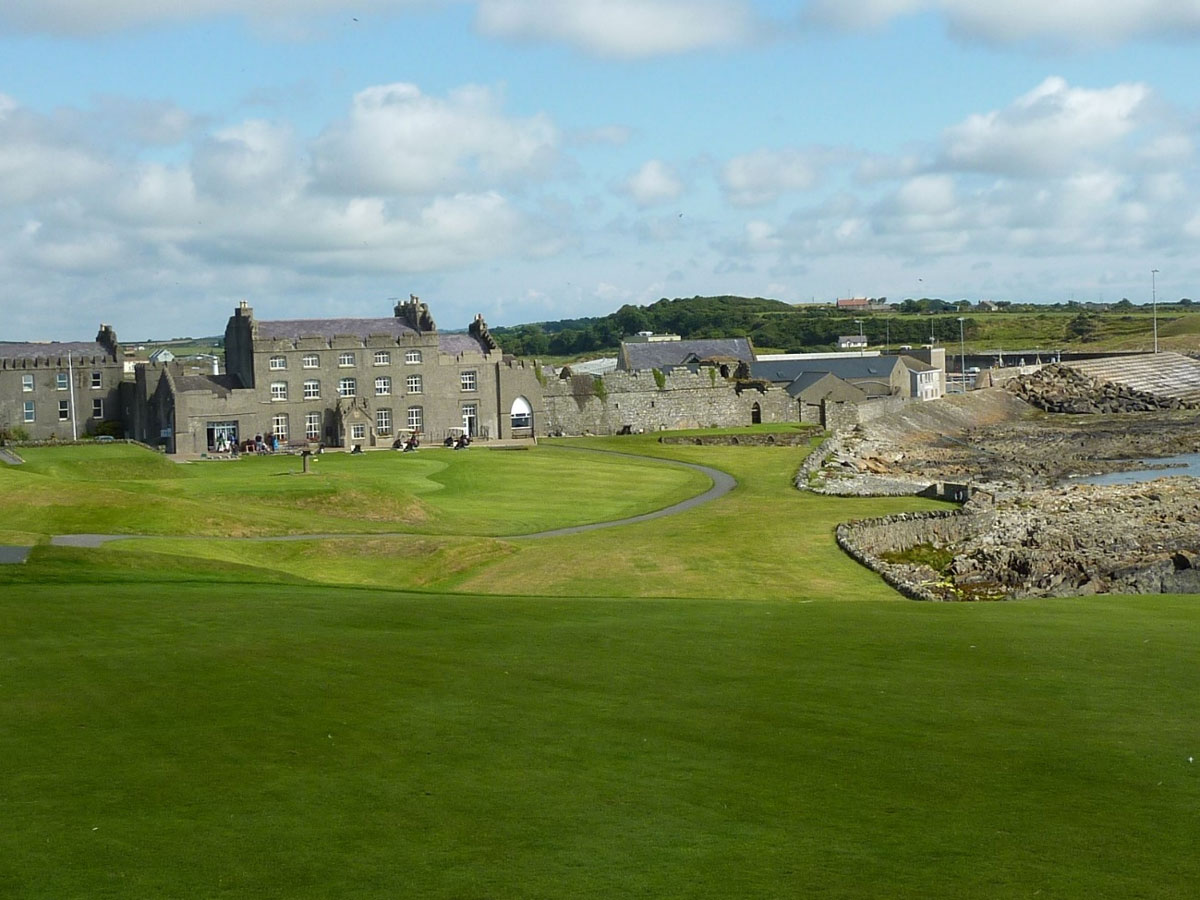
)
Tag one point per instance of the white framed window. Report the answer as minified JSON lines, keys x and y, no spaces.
{"x":358,"y":432}
{"x":412,"y":357}
{"x":98,"y":408}
{"x":413,"y":384}
{"x":383,"y":386}
{"x":64,"y":410}
{"x":470,"y":417}
{"x":347,"y":387}
{"x":468,"y":380}
{"x":312,"y":389}
{"x":310,"y":361}
{"x":60,"y":381}
{"x":278,"y":363}
{"x":28,"y":411}
{"x":345,"y":359}
{"x":383,"y":421}
{"x":27,"y":382}
{"x":279,"y":426}
{"x":278,"y":390}
{"x":416,"y":418}
{"x":383,"y":358}
{"x":312,"y":426}
{"x":97,"y":381}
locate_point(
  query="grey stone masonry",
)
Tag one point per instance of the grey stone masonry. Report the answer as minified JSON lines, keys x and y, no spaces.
{"x":53,"y":390}
{"x":653,"y":400}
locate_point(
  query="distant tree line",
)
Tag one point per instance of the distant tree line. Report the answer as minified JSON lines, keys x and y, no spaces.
{"x":781,"y":326}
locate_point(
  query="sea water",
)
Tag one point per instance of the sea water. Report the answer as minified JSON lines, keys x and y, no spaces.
{"x":1187,"y":464}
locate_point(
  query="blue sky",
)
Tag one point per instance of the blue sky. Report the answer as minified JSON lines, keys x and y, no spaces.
{"x":544,"y":159}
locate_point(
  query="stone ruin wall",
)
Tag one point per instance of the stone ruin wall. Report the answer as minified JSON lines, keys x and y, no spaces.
{"x":634,"y":400}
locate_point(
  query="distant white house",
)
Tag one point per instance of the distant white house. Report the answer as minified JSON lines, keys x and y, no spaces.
{"x":162,"y":355}
{"x":852,"y":342}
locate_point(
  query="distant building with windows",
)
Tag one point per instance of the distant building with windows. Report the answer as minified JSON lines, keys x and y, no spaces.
{"x":59,"y":390}
{"x":340,"y":383}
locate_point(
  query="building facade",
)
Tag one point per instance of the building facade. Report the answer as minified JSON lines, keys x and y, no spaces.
{"x":342,"y":383}
{"x":60,"y":390}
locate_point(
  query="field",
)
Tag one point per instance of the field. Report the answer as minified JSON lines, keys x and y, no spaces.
{"x":713,"y":704}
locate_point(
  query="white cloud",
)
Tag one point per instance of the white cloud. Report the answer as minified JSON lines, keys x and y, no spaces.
{"x":654,"y":183}
{"x":762,"y":176}
{"x":243,"y":213}
{"x":398,"y":140}
{"x":1048,"y":130}
{"x":620,"y":28}
{"x":248,"y":159}
{"x":1065,"y":21}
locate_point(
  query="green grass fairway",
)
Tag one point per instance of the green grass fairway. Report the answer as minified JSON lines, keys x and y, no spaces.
{"x":713,"y":705}
{"x":122,"y":489}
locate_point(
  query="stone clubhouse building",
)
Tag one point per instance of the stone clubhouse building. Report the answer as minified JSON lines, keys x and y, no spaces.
{"x":295,"y":382}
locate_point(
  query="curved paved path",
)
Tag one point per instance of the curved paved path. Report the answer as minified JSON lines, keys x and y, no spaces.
{"x":723,"y":483}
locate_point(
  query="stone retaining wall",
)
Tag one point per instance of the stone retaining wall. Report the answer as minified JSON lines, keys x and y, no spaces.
{"x":866,"y":540}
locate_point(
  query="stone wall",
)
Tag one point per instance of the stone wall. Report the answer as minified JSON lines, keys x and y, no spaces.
{"x":636,"y":401}
{"x":867,"y":540}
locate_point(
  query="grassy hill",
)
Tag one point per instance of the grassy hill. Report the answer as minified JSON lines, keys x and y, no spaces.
{"x":718,"y":704}
{"x":773,"y":325}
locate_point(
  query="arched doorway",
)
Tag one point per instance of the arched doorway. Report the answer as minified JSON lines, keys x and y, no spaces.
{"x":755,"y":414}
{"x":521,"y":418}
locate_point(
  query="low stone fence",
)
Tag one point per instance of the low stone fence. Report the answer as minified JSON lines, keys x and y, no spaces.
{"x":866,"y":540}
{"x":797,"y":439}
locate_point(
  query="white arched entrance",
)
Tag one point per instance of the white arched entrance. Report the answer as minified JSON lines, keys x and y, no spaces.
{"x":520,"y":418}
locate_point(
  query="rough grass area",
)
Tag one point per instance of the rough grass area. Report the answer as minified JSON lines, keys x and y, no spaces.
{"x":936,"y":558}
{"x":681,"y":708}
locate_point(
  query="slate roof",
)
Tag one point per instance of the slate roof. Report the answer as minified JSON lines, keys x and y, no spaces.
{"x":51,"y":349}
{"x":846,"y":368}
{"x":459,"y":343}
{"x":659,"y":354}
{"x":915,"y":365}
{"x":294,"y":329}
{"x":832,"y":385}
{"x":213,"y":384}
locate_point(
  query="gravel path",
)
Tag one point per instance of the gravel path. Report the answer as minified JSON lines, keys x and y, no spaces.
{"x":722,"y":484}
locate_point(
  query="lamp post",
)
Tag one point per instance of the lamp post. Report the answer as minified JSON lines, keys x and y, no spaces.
{"x":860,"y":334}
{"x":962,"y":357}
{"x":1154,"y":305}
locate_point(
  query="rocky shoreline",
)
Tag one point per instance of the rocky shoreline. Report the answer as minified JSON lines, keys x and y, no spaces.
{"x":1027,"y":532}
